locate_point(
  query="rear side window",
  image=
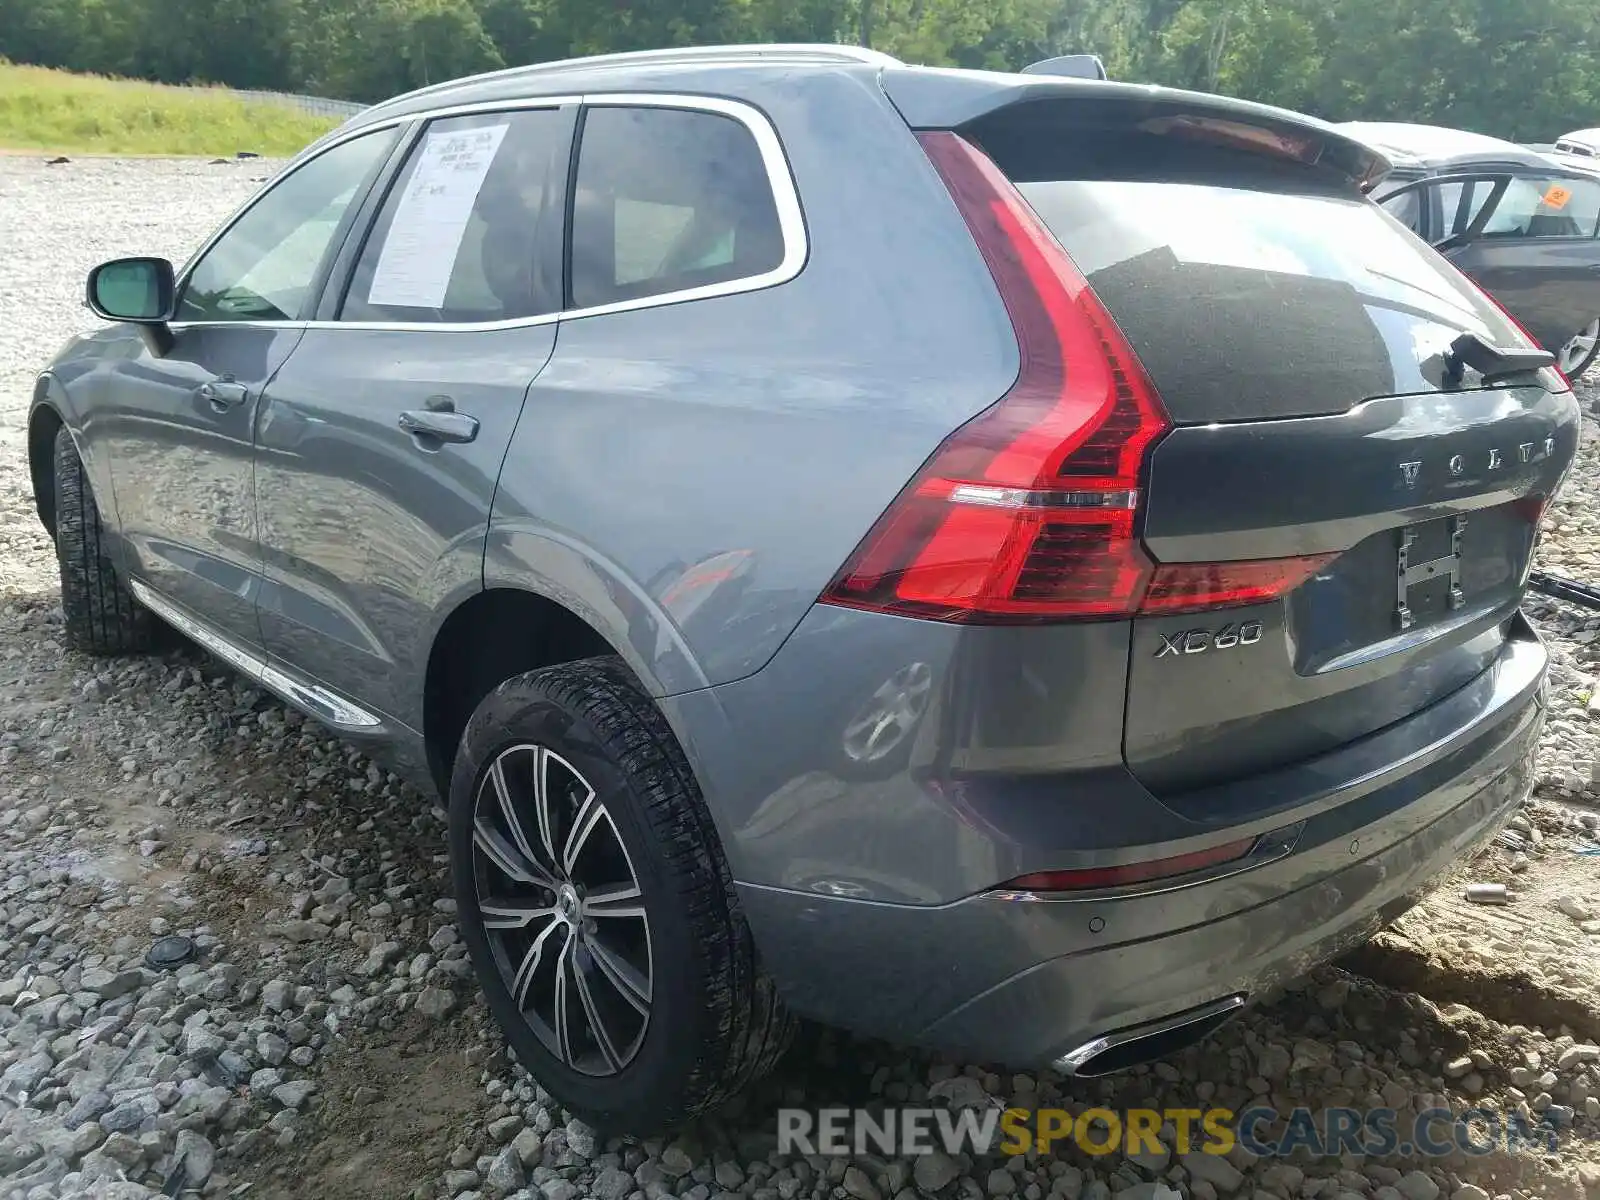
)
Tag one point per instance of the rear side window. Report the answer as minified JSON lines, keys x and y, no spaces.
{"x":460,"y":234}
{"x":668,"y":200}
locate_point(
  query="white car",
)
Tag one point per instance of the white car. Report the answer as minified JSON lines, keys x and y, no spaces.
{"x":1584,"y":143}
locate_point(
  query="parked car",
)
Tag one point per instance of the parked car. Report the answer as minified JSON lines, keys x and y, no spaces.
{"x":1584,"y":143}
{"x":1014,"y":563}
{"x":1520,"y":222}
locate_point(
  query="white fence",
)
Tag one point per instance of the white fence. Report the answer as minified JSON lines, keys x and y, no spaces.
{"x":316,"y":105}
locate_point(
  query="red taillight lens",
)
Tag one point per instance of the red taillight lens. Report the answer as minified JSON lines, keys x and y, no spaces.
{"x":1139,"y":872}
{"x":1026,"y":513}
{"x":1188,"y":587}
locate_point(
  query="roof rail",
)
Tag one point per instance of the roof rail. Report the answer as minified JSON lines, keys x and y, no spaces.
{"x":822,"y":52}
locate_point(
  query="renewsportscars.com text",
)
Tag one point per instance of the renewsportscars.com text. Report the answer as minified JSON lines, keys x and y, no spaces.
{"x":1261,"y":1131}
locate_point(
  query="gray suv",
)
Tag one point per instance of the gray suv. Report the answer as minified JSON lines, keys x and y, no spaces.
{"x":1009,"y":563}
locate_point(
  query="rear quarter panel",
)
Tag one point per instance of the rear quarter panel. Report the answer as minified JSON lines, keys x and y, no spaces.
{"x":689,"y":477}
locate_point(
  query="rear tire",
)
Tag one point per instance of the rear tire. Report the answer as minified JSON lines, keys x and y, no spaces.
{"x":635,"y":917}
{"x":101,"y":614}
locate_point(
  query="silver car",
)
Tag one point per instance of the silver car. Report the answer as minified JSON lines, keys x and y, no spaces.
{"x":1013,"y":563}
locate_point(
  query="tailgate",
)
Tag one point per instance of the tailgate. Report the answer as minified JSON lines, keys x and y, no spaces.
{"x":1300,"y":340}
{"x":1428,"y":507}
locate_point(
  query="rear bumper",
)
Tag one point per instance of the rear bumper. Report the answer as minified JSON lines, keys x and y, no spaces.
{"x":1025,"y":981}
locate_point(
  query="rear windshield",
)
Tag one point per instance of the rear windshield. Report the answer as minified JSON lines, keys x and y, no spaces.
{"x":1249,"y":286}
{"x":1237,"y":292}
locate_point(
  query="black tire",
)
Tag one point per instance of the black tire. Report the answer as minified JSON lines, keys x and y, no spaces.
{"x":715,"y":1022}
{"x":1577,"y":370}
{"x":102,"y":616}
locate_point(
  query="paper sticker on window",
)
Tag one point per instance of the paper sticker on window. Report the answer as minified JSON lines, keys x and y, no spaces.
{"x":1556,"y":197}
{"x":419,"y":253}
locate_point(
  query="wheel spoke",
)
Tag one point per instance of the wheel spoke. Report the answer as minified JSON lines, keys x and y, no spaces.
{"x":507,"y":859}
{"x":513,"y":914}
{"x":541,"y":801}
{"x":508,"y":810}
{"x":563,"y":970}
{"x":589,"y":814}
{"x":591,"y":1010}
{"x":630,"y":985}
{"x":530,"y":964}
{"x":615,"y":900}
{"x":544,"y":872}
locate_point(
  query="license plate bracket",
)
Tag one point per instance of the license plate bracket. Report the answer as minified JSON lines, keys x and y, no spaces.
{"x":1414,"y":570}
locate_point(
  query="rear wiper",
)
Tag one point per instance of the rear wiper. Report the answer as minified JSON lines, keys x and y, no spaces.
{"x":1490,"y":361}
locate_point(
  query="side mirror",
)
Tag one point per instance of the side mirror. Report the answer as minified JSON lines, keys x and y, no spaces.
{"x":139,"y":290}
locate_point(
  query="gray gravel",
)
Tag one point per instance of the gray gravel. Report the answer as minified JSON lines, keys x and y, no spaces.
{"x":327,"y":1039}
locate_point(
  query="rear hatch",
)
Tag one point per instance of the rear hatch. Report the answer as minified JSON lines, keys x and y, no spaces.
{"x":1298,"y":339}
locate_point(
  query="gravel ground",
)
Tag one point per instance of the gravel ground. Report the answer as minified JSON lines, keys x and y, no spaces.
{"x":328,"y":1040}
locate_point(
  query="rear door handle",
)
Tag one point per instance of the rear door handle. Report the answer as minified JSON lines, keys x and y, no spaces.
{"x":223,"y":393}
{"x":434,"y":425}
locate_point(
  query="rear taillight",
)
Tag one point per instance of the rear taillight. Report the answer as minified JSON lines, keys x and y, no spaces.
{"x":1189,"y":587}
{"x":1026,"y":513}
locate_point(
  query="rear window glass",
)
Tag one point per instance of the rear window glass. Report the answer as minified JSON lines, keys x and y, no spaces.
{"x":1245,"y":303}
{"x":668,"y":200}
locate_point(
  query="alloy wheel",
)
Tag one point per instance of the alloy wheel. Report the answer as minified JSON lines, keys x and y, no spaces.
{"x":563,"y":909}
{"x":1577,"y":353}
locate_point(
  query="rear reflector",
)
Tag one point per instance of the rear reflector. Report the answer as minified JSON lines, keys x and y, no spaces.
{"x":1026,"y":513}
{"x":1139,"y":872}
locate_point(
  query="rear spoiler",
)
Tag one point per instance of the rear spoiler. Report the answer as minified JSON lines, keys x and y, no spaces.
{"x":942,"y":98}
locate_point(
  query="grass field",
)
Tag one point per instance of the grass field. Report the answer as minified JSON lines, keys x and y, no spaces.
{"x":57,"y":111}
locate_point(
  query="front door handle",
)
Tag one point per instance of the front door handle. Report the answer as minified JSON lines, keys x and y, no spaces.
{"x":223,"y":393}
{"x":436,"y":425}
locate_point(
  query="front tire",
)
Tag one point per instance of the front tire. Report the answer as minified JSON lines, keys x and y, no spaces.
{"x":101,"y":614}
{"x":597,"y":906}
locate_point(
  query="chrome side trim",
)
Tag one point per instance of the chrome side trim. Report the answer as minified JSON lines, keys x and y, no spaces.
{"x":236,"y":657}
{"x":786,"y":199}
{"x":317,"y":701}
{"x":1412,"y":638}
{"x":1074,"y":1060}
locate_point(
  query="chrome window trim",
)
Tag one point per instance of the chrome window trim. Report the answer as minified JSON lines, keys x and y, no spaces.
{"x":786,"y":199}
{"x":671,"y":56}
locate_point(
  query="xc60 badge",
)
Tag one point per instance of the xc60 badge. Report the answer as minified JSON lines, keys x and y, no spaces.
{"x":1198,"y":641}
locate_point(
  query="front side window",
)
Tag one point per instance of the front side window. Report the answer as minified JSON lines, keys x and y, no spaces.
{"x":667,"y":200}
{"x":263,"y":267}
{"x":460,"y":234}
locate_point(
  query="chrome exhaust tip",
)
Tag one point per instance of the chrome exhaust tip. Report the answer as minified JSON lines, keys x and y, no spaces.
{"x":1124,"y":1048}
